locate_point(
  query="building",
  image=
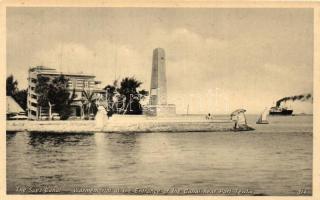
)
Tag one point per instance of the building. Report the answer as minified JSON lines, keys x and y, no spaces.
{"x":158,"y":105}
{"x":77,"y":82}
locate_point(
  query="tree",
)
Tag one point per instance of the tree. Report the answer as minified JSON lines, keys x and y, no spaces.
{"x":42,"y":89}
{"x":111,"y":98}
{"x":11,"y":85}
{"x":89,"y":99}
{"x":20,"y":96}
{"x":61,"y":97}
{"x":110,"y":92}
{"x":126,"y":98}
{"x":143,"y":94}
{"x":64,"y":109}
{"x":54,"y":93}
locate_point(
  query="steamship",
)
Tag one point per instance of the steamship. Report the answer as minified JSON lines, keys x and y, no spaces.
{"x":280,"y":111}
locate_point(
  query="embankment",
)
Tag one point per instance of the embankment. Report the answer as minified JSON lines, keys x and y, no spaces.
{"x":124,"y":125}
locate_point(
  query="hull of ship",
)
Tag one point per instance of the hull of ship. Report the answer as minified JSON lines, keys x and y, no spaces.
{"x":262,"y":122}
{"x":284,"y":112}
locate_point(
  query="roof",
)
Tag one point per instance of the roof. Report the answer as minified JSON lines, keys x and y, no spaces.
{"x":51,"y":71}
{"x":13,"y":106}
{"x":41,"y":68}
{"x":19,"y":117}
{"x":237,"y":112}
{"x":67,"y":74}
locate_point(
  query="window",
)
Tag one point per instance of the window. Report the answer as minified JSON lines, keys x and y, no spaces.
{"x":80,"y":83}
{"x":86,"y":85}
{"x":91,"y":84}
{"x":33,"y":112}
{"x":70,"y":84}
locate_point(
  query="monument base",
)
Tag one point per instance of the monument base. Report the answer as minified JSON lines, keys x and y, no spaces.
{"x":160,"y":110}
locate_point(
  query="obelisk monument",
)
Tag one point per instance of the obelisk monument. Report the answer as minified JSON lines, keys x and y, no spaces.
{"x":158,"y":105}
{"x":158,"y":89}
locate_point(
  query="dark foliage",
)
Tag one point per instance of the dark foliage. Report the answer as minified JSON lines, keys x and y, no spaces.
{"x":55,"y":93}
{"x":89,"y":103}
{"x":11,"y":86}
{"x":42,"y":88}
{"x":20,"y":96}
{"x":126,"y":98}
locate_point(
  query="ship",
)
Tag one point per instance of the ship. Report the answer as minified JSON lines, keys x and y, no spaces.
{"x":280,"y":111}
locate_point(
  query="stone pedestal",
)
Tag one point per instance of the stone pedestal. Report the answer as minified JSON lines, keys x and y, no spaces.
{"x":160,"y":110}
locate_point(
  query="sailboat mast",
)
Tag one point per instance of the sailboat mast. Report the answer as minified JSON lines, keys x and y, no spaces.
{"x":188,"y":109}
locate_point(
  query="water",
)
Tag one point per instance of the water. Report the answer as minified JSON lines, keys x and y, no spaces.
{"x":275,"y":159}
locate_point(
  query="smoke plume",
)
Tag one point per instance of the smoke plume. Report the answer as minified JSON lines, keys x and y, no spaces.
{"x":301,"y":97}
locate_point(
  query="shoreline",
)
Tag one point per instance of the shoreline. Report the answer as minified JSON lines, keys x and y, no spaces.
{"x":134,"y":125}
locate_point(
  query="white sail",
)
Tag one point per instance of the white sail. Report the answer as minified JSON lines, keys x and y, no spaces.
{"x":264,"y":115}
{"x":242,"y":119}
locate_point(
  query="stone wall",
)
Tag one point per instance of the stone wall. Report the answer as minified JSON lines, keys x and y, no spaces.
{"x":123,"y":126}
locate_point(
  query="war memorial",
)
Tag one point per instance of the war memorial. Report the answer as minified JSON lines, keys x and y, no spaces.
{"x":158,"y":105}
{"x":158,"y":115}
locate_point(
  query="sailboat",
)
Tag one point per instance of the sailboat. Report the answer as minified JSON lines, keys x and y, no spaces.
{"x":263,"y":117}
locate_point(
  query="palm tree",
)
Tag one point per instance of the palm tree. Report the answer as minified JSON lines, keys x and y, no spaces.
{"x":19,"y":95}
{"x":125,"y":98}
{"x":88,"y":102}
{"x":54,"y":93}
{"x":129,"y":86}
{"x":129,"y":91}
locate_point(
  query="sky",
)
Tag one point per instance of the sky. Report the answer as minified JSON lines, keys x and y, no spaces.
{"x":217,"y":59}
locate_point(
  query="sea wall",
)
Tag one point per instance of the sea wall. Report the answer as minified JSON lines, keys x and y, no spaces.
{"x":166,"y":126}
{"x":128,"y":125}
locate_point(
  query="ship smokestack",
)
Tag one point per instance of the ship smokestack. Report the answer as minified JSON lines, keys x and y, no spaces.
{"x":301,"y":97}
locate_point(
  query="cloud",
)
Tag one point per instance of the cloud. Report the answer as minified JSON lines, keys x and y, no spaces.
{"x":196,"y":66}
{"x":67,"y":57}
{"x":250,"y":65}
{"x":107,"y":60}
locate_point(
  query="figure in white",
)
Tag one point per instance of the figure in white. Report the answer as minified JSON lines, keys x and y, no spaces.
{"x":100,"y":117}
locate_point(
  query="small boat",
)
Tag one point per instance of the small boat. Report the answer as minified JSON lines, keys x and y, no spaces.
{"x":263,"y":117}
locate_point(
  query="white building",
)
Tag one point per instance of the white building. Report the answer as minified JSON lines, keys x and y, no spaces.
{"x":78,"y":82}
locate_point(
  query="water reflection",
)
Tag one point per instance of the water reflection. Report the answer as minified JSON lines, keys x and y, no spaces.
{"x":265,"y":160}
{"x":115,"y":158}
{"x":123,"y":148}
{"x":101,"y":148}
{"x":10,"y":135}
{"x":124,"y":141}
{"x":37,"y":139}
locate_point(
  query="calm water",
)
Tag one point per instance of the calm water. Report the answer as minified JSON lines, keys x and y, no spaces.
{"x":275,"y":159}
